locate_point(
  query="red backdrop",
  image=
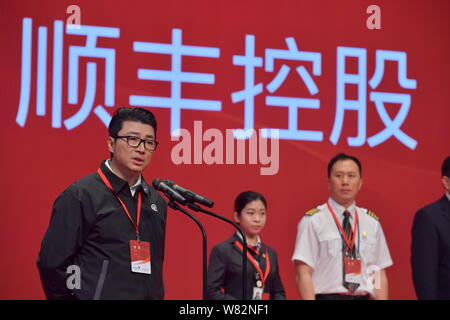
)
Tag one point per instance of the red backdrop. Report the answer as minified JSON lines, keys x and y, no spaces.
{"x":40,"y":159}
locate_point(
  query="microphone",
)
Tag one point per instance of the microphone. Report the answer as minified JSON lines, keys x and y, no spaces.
{"x":190,"y":195}
{"x":161,"y":185}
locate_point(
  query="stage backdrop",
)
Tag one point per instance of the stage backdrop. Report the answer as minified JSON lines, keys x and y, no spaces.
{"x":370,"y":78}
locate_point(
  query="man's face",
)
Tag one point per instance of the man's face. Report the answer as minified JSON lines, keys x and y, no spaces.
{"x":344,"y":182}
{"x":130,"y":160}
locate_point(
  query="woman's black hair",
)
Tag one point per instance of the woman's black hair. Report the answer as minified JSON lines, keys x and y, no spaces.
{"x":245,"y":198}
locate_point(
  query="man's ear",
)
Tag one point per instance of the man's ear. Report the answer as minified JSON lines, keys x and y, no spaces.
{"x":446,"y":183}
{"x":111,"y":143}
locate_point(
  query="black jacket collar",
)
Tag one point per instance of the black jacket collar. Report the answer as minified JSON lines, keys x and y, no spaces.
{"x":235,"y":238}
{"x":445,"y":204}
{"x":119,"y":185}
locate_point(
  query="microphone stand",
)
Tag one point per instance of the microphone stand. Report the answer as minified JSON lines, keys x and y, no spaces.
{"x":175,"y":206}
{"x":197,"y":208}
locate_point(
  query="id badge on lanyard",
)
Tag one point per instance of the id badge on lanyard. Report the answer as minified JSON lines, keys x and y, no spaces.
{"x":139,"y":250}
{"x":258,"y":293}
{"x":352,"y":265}
{"x":140,"y":257}
{"x":353,"y":270}
{"x":260,"y":277}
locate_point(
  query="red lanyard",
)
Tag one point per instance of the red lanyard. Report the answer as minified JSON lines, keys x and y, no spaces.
{"x":135,"y":225}
{"x":349,"y":242}
{"x":253,"y":261}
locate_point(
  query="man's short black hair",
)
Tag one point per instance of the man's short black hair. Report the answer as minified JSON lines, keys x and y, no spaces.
{"x":130,"y":114}
{"x":343,"y":156}
{"x":445,"y":170}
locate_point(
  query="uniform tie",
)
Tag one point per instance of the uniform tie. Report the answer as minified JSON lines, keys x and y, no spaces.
{"x":349,"y":233}
{"x":346,"y":252}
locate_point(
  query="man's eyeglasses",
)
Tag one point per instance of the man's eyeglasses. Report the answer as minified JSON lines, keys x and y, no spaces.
{"x":135,"y":142}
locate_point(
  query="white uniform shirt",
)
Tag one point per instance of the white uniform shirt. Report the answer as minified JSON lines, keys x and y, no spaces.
{"x":319,"y":245}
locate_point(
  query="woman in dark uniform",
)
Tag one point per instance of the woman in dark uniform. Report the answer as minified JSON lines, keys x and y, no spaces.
{"x":225,"y":264}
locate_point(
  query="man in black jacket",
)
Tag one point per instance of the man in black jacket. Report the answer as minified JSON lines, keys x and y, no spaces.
{"x":106,"y":236}
{"x":430,"y":248}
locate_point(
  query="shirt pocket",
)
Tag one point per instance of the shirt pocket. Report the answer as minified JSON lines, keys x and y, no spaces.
{"x":330,"y":245}
{"x":367,"y":250}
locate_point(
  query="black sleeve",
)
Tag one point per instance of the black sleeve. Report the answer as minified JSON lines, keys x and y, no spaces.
{"x":60,"y":244}
{"x":425,"y":255}
{"x":216,"y":276}
{"x":277,"y":290}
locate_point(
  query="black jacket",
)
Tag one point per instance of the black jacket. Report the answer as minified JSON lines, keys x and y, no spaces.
{"x":90,"y":229}
{"x":430,"y":250}
{"x":225,"y":273}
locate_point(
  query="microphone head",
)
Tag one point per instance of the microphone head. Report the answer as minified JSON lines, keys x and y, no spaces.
{"x":161,"y":185}
{"x":156,"y":183}
{"x":170,"y":183}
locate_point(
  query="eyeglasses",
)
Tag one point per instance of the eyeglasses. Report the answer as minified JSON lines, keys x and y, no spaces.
{"x":135,"y":142}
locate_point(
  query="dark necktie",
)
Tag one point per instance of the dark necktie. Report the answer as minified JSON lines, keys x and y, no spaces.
{"x":349,"y":233}
{"x":254,"y":251}
{"x":348,"y":253}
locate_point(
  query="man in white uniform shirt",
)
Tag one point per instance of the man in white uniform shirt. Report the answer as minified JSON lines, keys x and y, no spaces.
{"x":340,"y":251}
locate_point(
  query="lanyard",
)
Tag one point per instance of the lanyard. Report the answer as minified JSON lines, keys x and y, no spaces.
{"x":349,"y":242}
{"x":135,"y":225}
{"x":256,"y":264}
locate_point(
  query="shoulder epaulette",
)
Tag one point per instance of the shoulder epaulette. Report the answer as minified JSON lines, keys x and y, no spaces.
{"x":372,"y":214}
{"x":312,"y":211}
